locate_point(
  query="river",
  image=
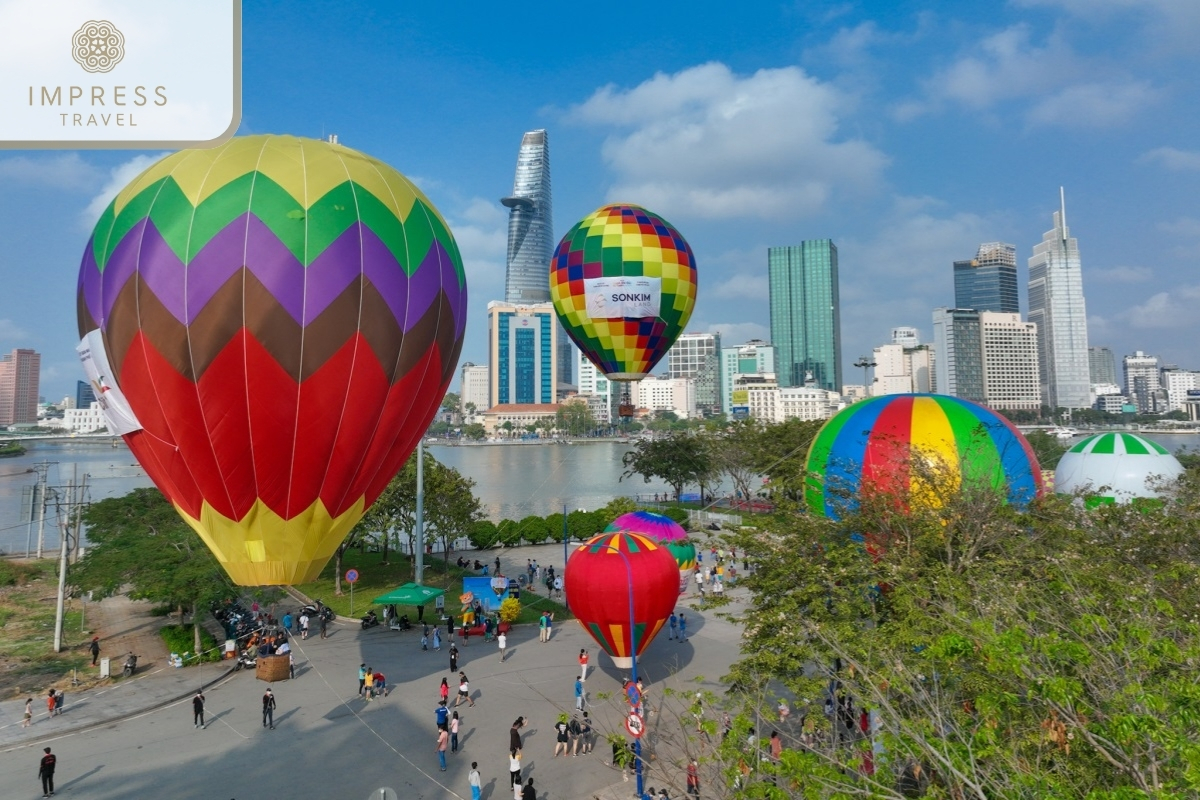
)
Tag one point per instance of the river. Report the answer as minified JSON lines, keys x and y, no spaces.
{"x":511,"y":480}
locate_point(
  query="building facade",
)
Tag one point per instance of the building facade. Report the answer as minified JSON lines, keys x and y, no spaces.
{"x":1177,"y":383}
{"x":988,"y":282}
{"x":85,"y":395}
{"x":517,"y":416}
{"x":677,"y":395}
{"x":1057,"y":307}
{"x":1010,"y":362}
{"x":806,"y":323}
{"x":755,"y":357}
{"x":85,"y":420}
{"x":698,"y":356}
{"x":906,"y":336}
{"x":775,"y":404}
{"x":900,"y":369}
{"x":522,"y":343}
{"x":531,"y":236}
{"x":958,"y":342}
{"x":592,"y":383}
{"x":1102,"y":366}
{"x":473,"y":388}
{"x":20,"y":371}
{"x":1141,"y":380}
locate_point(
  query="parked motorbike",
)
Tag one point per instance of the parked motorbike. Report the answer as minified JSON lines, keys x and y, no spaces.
{"x":130,"y":665}
{"x":247,"y":659}
{"x":318,"y":611}
{"x":369,"y":620}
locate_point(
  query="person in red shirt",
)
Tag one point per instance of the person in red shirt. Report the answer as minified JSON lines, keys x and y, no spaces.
{"x":693,"y":778}
{"x":583,"y":664}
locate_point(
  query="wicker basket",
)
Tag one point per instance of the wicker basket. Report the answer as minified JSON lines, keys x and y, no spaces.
{"x":272,"y":668}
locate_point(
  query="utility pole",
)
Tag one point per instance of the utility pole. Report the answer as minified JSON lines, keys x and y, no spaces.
{"x":42,"y":469}
{"x":65,"y":524}
{"x":39,"y":492}
{"x":419,"y":528}
{"x":866,"y":363}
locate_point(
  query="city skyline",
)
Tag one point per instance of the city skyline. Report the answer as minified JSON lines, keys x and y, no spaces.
{"x":908,"y":133}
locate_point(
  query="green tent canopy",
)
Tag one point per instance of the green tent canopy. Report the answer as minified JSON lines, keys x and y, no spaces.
{"x":410,"y":594}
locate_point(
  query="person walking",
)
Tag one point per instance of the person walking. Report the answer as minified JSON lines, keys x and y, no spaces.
{"x":46,"y":772}
{"x":464,"y":691}
{"x":198,"y":709}
{"x":514,"y":768}
{"x":441,"y":715}
{"x":514,"y":734}
{"x":543,"y":622}
{"x":444,"y":691}
{"x":28,"y":713}
{"x":673,"y":623}
{"x":59,"y":697}
{"x":453,"y":657}
{"x":474,"y":781}
{"x":529,"y":793}
{"x":50,"y":704}
{"x":549,"y":626}
{"x":502,"y":640}
{"x":693,"y":778}
{"x":323,"y":624}
{"x":94,"y":647}
{"x":268,"y":703}
{"x":454,"y":723}
{"x":303,"y":625}
{"x":682,"y":627}
{"x":583,"y":664}
{"x":287,"y":621}
{"x":291,"y":665}
{"x":579,"y":694}
{"x":437,"y":638}
{"x":443,"y":739}
{"x":362,"y":678}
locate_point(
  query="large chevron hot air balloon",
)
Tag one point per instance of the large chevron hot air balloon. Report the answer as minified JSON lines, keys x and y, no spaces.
{"x":623,"y":283}
{"x":282,"y":317}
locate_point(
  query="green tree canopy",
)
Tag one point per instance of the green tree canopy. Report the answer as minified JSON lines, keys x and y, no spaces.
{"x":678,"y":459}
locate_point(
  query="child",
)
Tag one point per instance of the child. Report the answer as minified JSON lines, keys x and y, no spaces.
{"x":454,"y":733}
{"x":425,"y":641}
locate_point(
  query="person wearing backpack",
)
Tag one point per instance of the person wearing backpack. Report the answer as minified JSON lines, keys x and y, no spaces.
{"x":575,"y":729}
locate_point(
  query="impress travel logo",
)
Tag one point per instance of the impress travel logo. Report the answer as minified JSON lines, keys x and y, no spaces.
{"x":119,"y":73}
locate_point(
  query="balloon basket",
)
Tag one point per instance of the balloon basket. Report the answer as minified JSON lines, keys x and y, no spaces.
{"x":272,"y":668}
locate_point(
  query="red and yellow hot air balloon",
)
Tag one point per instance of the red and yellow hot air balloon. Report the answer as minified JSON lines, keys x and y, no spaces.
{"x":623,"y":283}
{"x":599,"y":591}
{"x":278,"y":319}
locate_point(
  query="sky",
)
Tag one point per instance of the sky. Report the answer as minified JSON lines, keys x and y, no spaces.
{"x":907,"y":132}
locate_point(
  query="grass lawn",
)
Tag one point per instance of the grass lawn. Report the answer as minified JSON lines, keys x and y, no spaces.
{"x":376,"y":578}
{"x":27,"y":594}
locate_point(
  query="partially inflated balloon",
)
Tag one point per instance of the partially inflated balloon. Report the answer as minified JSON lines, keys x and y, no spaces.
{"x":623,"y":282}
{"x":665,"y":531}
{"x":283,"y":316}
{"x":616,"y":579}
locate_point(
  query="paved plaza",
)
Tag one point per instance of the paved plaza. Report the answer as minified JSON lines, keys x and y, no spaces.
{"x":135,"y":738}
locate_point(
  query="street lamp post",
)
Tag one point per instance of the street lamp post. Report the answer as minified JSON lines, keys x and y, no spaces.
{"x":866,"y":363}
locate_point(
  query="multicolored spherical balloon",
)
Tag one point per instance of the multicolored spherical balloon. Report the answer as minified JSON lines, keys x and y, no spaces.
{"x":1117,"y":468}
{"x":873,"y":446}
{"x":665,"y":531}
{"x":623,"y":282}
{"x":617,"y":579}
{"x":283,"y":316}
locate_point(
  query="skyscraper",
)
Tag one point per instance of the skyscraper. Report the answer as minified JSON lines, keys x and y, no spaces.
{"x":531,"y":236}
{"x":958,"y":342}
{"x":1102,"y":366}
{"x":1142,"y":381}
{"x":19,"y":373}
{"x":1056,"y":306}
{"x":987,"y":357}
{"x":806,"y":323}
{"x":698,"y":356}
{"x":988,"y":282}
{"x":85,"y":395}
{"x":521,"y":346}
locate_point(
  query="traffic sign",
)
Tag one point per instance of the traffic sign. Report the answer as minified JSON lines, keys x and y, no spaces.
{"x":351,"y":575}
{"x":635,"y":725}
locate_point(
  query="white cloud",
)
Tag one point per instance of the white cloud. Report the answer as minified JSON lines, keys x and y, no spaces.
{"x":11,"y":332}
{"x":1172,"y":158}
{"x":1064,"y":88}
{"x":1184,"y":226}
{"x":751,"y":287}
{"x":737,"y":333}
{"x":66,"y":171}
{"x":1174,"y":309}
{"x":118,"y":178}
{"x":1095,"y":104}
{"x":1167,"y":24}
{"x":707,"y":143}
{"x":482,"y":238}
{"x":1120,"y":274}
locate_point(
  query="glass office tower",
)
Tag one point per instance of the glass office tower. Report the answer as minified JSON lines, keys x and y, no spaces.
{"x":1056,"y":306}
{"x":988,"y":282}
{"x":531,"y":236}
{"x":806,"y":324}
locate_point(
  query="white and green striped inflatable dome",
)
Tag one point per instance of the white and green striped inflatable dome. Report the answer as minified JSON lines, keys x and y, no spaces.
{"x":1118,"y":467}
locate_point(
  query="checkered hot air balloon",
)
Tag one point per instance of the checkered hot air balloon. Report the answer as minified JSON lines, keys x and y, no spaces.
{"x":623,"y":283}
{"x":597,"y":583}
{"x":283,"y":317}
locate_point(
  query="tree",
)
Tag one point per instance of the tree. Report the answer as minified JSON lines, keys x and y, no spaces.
{"x":678,"y":459}
{"x":451,"y":403}
{"x":482,"y":534}
{"x":1047,"y":448}
{"x":534,"y":529}
{"x":1045,"y":652}
{"x":454,"y":507}
{"x":139,"y":541}
{"x":575,"y":418}
{"x":474,"y":431}
{"x":508,"y":427}
{"x":781,"y":455}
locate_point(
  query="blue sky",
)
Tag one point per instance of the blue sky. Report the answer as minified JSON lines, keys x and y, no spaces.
{"x":907,"y":132}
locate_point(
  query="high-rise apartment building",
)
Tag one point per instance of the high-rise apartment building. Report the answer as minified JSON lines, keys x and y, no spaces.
{"x":901,"y":369}
{"x":806,"y":323}
{"x":592,"y":383}
{"x":473,"y":388}
{"x":85,"y":395}
{"x":988,"y":282}
{"x":1177,"y":383}
{"x":906,"y":336}
{"x":677,"y":395}
{"x":19,"y":374}
{"x":755,"y":357}
{"x":531,"y":236}
{"x":1102,"y":366}
{"x":958,"y":342}
{"x":1056,"y":306}
{"x":698,"y":356}
{"x":1142,"y":381}
{"x":522,"y":340}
